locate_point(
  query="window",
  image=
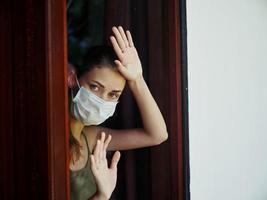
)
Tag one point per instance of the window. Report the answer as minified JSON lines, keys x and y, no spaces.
{"x":33,"y":79}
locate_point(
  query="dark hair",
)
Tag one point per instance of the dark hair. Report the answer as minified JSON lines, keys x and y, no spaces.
{"x":96,"y":56}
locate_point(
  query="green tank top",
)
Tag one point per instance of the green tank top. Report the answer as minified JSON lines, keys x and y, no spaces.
{"x":82,"y":182}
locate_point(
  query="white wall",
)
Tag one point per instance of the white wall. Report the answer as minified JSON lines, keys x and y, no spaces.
{"x":227,"y":69}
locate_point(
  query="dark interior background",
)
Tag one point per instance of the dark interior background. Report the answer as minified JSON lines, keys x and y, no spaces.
{"x":89,"y":23}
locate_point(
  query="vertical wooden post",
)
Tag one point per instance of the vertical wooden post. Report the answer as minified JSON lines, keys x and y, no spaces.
{"x":33,"y":117}
{"x":57,"y":99}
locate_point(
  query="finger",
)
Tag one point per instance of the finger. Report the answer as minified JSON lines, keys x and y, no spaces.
{"x":130,"y":39}
{"x":119,"y":38}
{"x":121,"y":68}
{"x":103,"y":137}
{"x":123,"y":36}
{"x":102,"y":152}
{"x":115,"y":160}
{"x":116,"y":46}
{"x":107,"y":142}
{"x":97,"y":150}
{"x":93,"y":164}
{"x":105,"y":145}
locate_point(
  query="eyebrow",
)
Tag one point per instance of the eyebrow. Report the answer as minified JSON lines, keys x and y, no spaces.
{"x":101,"y":85}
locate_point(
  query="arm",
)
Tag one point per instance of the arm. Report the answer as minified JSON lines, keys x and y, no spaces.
{"x":129,"y":65}
{"x":154,"y":124}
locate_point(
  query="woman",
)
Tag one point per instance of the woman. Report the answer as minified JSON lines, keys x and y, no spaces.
{"x":96,"y":87}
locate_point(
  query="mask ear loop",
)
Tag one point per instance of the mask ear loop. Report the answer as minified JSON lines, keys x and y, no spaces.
{"x":77,"y":81}
{"x":72,"y":96}
{"x":72,"y":88}
{"x":71,"y":91}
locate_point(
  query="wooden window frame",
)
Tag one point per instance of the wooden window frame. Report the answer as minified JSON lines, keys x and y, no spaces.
{"x":56,"y":51}
{"x":34,"y":83}
{"x":34,"y":121}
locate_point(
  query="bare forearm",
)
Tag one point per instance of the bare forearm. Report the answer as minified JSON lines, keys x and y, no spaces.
{"x":152,"y":118}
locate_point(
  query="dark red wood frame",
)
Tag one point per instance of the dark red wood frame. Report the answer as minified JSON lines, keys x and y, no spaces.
{"x":34,"y":140}
{"x":57,"y":99}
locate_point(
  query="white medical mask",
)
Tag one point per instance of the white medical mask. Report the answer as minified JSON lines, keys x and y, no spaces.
{"x":91,"y":109}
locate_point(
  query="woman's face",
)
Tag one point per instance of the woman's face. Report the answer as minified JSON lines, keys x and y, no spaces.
{"x":105,"y":82}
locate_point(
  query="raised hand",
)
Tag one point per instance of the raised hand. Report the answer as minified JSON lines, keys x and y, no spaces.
{"x":129,"y":63}
{"x":105,"y":177}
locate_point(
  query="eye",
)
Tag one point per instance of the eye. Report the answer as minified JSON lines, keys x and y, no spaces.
{"x":94,"y":87}
{"x":114,"y":95}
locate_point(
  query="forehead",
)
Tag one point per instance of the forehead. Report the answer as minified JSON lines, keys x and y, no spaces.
{"x":107,"y":76}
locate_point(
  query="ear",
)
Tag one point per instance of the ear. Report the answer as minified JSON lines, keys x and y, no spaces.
{"x":71,"y":76}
